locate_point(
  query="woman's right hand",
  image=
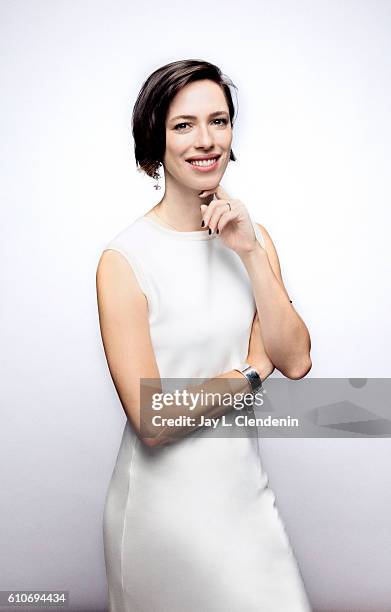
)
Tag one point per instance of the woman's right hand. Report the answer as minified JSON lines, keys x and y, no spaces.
{"x":257,"y":356}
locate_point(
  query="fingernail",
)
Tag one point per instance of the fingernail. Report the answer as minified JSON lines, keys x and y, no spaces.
{"x":217,"y":231}
{"x":210,"y":231}
{"x":203,"y":223}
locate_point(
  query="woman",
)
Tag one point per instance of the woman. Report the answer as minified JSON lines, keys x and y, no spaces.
{"x":189,"y":521}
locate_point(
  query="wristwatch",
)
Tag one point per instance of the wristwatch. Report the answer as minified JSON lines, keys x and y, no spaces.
{"x":252,"y":376}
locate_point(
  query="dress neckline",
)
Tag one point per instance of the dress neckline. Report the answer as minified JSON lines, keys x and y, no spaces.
{"x":195,"y":235}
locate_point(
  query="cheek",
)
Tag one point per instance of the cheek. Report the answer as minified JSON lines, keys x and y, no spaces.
{"x":227,"y":137}
{"x":175,"y":148}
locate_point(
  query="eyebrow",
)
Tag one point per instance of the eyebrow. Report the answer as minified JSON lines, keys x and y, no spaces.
{"x":193,"y":117}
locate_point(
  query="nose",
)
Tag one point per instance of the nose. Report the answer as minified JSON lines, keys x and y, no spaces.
{"x":204,"y":137}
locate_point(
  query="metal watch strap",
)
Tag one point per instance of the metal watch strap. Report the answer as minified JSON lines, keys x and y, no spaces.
{"x":252,"y":376}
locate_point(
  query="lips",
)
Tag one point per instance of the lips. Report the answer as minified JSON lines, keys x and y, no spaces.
{"x":206,"y":167}
{"x":203,"y":157}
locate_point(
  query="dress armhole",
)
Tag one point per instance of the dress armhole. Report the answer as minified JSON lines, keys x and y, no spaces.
{"x":260,"y":238}
{"x":137,"y":270}
{"x":259,"y":235}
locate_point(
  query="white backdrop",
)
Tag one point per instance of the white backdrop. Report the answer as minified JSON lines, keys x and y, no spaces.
{"x":312,"y":140}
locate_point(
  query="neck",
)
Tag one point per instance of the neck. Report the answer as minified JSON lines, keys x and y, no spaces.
{"x":180,"y":206}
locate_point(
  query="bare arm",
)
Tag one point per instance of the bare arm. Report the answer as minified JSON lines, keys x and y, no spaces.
{"x":124,"y":325}
{"x":285,"y":335}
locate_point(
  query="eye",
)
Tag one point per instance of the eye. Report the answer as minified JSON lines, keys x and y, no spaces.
{"x":225,"y":121}
{"x":178,"y":128}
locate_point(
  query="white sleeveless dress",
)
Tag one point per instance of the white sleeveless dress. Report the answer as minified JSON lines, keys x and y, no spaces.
{"x":193,"y":526}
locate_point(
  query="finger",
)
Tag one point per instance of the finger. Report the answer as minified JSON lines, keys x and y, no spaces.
{"x":207,"y":211}
{"x":219,"y":192}
{"x":226,"y":218}
{"x":213,"y":213}
{"x":207,"y":192}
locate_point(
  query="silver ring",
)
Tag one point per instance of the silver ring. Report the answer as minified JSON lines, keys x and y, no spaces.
{"x":229,"y":205}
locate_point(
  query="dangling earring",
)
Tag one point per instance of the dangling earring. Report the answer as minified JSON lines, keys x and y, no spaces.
{"x":156,"y":176}
{"x":156,"y":185}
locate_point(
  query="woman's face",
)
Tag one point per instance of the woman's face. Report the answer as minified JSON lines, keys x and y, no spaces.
{"x":207,"y":133}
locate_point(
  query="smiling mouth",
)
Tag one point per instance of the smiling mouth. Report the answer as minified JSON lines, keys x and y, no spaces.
{"x":203,"y":163}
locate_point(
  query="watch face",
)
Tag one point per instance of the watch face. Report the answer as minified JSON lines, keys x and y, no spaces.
{"x":255,"y":379}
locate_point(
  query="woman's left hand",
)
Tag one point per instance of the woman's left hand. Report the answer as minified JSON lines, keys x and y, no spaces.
{"x":234,"y":223}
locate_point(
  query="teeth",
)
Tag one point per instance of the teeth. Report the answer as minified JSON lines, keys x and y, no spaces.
{"x":204,"y":162}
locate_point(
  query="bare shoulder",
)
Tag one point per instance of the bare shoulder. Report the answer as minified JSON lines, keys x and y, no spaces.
{"x":269,"y":245}
{"x":272,"y":255}
{"x":124,"y":326}
{"x":115,"y":276}
{"x":265,"y":234}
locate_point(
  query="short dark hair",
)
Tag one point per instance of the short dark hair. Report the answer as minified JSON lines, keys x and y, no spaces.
{"x":150,"y":109}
